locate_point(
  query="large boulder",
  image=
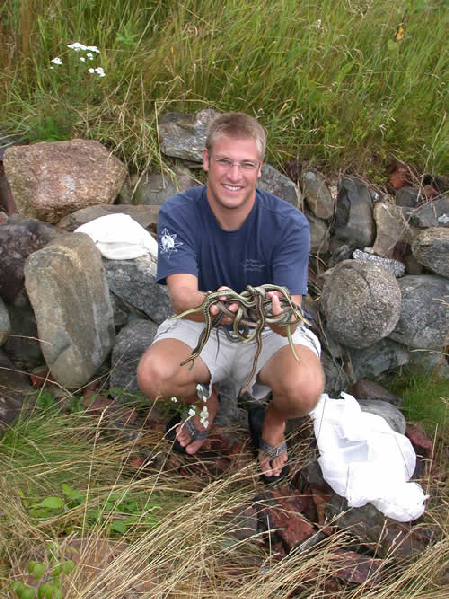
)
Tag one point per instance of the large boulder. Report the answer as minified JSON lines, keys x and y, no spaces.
{"x":154,"y":187}
{"x":273,"y":181}
{"x":184,"y":135}
{"x":353,"y":222}
{"x":369,"y":362}
{"x":361,"y":302}
{"x":431,"y":214}
{"x":424,"y":316}
{"x":391,"y":228}
{"x":431,"y":248}
{"x":51,"y":179}
{"x":67,"y":287}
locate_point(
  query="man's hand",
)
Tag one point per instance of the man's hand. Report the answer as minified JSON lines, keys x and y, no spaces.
{"x":277,"y":310}
{"x":232,"y":307}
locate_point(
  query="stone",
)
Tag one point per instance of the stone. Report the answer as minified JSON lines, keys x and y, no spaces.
{"x":393,"y":417}
{"x":431,"y":248}
{"x":319,"y":233}
{"x":67,"y":287}
{"x":146,"y":216}
{"x":407,"y":196}
{"x":23,"y":347}
{"x":132,"y":341}
{"x":433,"y":363}
{"x":431,"y":214}
{"x":361,"y":302}
{"x":317,"y":195}
{"x":353,"y":222}
{"x":424,"y":315}
{"x":155,"y":188}
{"x":391,"y":227}
{"x":15,"y":391}
{"x":335,"y":375}
{"x":184,"y":135}
{"x":380,"y":357}
{"x":19,"y":239}
{"x":420,"y":441}
{"x":4,"y":322}
{"x":393,"y":267}
{"x":275,"y":182}
{"x":51,"y":179}
{"x":357,"y":569}
{"x":134,"y":282}
{"x":365,"y":389}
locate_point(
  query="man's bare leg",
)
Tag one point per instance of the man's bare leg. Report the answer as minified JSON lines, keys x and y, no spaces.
{"x":160,"y":375}
{"x":296,"y":389}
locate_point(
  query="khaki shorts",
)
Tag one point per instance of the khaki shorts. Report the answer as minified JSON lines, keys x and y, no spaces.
{"x":234,"y":361}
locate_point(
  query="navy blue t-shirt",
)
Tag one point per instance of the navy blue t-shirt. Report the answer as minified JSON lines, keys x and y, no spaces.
{"x":272,"y":245}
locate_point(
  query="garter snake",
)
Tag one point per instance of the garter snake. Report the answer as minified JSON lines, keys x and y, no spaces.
{"x":254,"y":312}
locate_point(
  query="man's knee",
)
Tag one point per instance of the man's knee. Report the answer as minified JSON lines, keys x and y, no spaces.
{"x":301,"y":391}
{"x":154,"y":375}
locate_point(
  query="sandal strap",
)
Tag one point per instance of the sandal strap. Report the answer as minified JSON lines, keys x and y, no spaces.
{"x":272,"y":452}
{"x":195,"y":434}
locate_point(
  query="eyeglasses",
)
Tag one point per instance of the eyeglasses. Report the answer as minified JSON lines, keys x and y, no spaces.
{"x":226,"y":164}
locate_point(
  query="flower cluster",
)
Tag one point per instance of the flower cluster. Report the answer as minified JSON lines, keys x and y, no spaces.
{"x":89,"y":56}
{"x":204,"y":414}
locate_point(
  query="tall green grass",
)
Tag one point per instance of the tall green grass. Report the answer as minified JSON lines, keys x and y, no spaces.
{"x":330,"y":80}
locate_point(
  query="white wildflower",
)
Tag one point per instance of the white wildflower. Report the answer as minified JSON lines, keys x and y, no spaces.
{"x":82,"y":59}
{"x":76,"y":46}
{"x":92,"y":71}
{"x":93,"y":49}
{"x":90,"y":56}
{"x":192,"y":412}
{"x":318,"y":23}
{"x":204,"y":417}
{"x":174,"y":399}
{"x":100,"y":72}
{"x":57,"y":60}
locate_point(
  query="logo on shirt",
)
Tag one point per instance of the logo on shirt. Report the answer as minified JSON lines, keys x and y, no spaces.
{"x":168,"y":243}
{"x":251,"y":265}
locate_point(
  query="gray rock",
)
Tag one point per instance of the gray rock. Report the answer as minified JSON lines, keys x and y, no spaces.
{"x":184,"y":135}
{"x":155,"y":188}
{"x":51,"y":179}
{"x":19,"y":239}
{"x":365,"y":389}
{"x":434,"y":363}
{"x":431,"y":214}
{"x":317,"y":195}
{"x":391,"y":228}
{"x":319,"y":233}
{"x":431,"y":248}
{"x":15,"y":391}
{"x":4,"y":322}
{"x":275,"y":182}
{"x":393,"y":267}
{"x":380,"y":357}
{"x":361,"y":302}
{"x":134,"y":282}
{"x":67,"y":288}
{"x":23,"y":347}
{"x":424,"y":316}
{"x":353,"y":217}
{"x":336,"y":377}
{"x":132,"y":341}
{"x":394,"y":418}
{"x":407,"y":196}
{"x":146,"y":216}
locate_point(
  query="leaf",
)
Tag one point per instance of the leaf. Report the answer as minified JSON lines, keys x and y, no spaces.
{"x":52,"y":503}
{"x":36,"y":569}
{"x":119,"y":526}
{"x":68,"y":566}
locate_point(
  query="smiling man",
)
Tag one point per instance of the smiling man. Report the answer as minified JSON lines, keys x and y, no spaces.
{"x":229,"y":234}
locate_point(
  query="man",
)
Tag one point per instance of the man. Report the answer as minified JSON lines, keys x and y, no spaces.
{"x":228,"y":234}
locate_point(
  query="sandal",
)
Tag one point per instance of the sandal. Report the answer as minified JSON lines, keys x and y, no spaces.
{"x":256,"y":417}
{"x":195,"y":434}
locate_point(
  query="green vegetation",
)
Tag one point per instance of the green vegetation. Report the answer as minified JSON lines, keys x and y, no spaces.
{"x":339,"y":83}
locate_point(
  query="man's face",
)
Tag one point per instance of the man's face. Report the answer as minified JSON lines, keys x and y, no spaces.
{"x":231,"y":180}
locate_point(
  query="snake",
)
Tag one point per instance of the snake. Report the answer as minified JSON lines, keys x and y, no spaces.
{"x":253,"y":313}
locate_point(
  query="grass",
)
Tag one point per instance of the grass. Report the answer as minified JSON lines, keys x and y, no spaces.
{"x":333,"y":82}
{"x":179,"y":532}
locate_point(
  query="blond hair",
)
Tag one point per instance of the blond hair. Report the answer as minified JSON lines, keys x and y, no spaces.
{"x":239,"y":126}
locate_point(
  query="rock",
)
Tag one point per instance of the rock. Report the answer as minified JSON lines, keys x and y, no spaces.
{"x":23,"y":347}
{"x":4,"y":322}
{"x":407,"y":196}
{"x":434,"y":363}
{"x":134,"y":282}
{"x":361,"y":302}
{"x":146,"y":216}
{"x":275,"y":182}
{"x":67,"y":287}
{"x":380,"y":357}
{"x":423,"y":320}
{"x":391,"y":227}
{"x":317,"y":195}
{"x":132,"y":341}
{"x":353,"y":216}
{"x":365,"y":389}
{"x":51,"y":179}
{"x":243,"y":523}
{"x":431,"y":214}
{"x":6,"y":200}
{"x":19,"y":239}
{"x":319,"y":233}
{"x":15,"y":390}
{"x":393,"y":267}
{"x":357,"y":569}
{"x":155,"y":188}
{"x":420,"y":441}
{"x":394,"y":418}
{"x":431,"y":248}
{"x":184,"y":135}
{"x":336,"y":377}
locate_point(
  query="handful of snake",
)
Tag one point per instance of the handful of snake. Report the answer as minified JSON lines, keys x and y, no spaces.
{"x":254,"y":312}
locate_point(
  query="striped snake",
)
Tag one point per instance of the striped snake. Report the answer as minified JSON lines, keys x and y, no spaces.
{"x":254,"y":312}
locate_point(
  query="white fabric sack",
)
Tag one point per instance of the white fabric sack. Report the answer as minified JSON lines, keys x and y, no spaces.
{"x":119,"y":237}
{"x":364,"y":460}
